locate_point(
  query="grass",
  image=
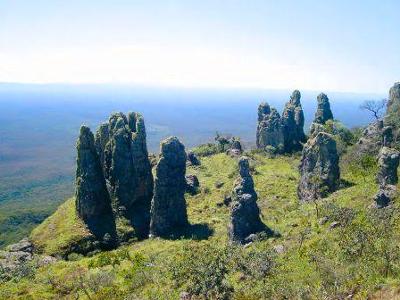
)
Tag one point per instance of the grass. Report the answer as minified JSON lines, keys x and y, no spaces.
{"x":317,"y":262}
{"x":61,"y":230}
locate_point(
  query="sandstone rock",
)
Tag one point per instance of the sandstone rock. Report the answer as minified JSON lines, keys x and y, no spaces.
{"x":24,"y":245}
{"x":143,"y":192}
{"x":319,"y":168}
{"x":323,"y":112}
{"x":388,"y":162}
{"x":334,"y":225}
{"x":384,"y":196}
{"x":293,"y":123}
{"x":393,"y":104}
{"x":168,"y":206}
{"x":371,"y":139}
{"x":236,"y":148}
{"x":270,"y":130}
{"x":245,"y":214}
{"x":121,"y":146}
{"x":279,"y":249}
{"x":263,"y":110}
{"x":192,"y":184}
{"x":92,"y":200}
{"x":192,"y":159}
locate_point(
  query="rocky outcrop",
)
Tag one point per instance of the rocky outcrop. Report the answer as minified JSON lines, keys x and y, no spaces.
{"x":270,"y":130}
{"x":18,"y":258}
{"x":168,"y":206}
{"x":192,"y":159}
{"x":293,"y":124}
{"x":323,"y":112}
{"x":192,"y":184}
{"x":236,"y":148}
{"x":92,"y":199}
{"x":393,"y":104}
{"x":121,"y":146}
{"x":286,"y":133}
{"x":388,"y":162}
{"x":319,"y":168}
{"x":385,"y":196}
{"x":245,"y":214}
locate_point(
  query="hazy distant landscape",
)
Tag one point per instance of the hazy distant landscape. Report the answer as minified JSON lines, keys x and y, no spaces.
{"x":39,"y":126}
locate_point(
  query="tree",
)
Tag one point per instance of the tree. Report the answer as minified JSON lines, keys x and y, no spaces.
{"x":375,"y":107}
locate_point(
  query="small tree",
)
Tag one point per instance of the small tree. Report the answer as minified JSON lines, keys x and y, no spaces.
{"x":375,"y":107}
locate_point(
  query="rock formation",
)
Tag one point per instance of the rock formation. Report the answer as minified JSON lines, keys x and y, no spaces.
{"x":319,"y":168}
{"x":270,"y":128}
{"x":192,"y":184}
{"x":168,"y":206}
{"x":323,"y":112}
{"x":286,"y":133}
{"x":388,"y":162}
{"x":192,"y":159}
{"x":393,"y":104}
{"x":245,"y":214}
{"x":92,"y":199}
{"x":236,"y":147}
{"x":121,"y":146}
{"x":293,"y":124}
{"x":384,"y":196}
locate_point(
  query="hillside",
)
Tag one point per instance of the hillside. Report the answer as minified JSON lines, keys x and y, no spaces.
{"x":336,"y":248}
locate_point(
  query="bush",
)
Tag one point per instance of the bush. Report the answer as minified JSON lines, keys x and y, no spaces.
{"x":206,"y":150}
{"x":201,"y":270}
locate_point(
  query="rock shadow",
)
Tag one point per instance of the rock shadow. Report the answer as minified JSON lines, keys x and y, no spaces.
{"x":197,"y":232}
{"x":345,"y":184}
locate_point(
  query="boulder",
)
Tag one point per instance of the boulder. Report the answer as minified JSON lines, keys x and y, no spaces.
{"x":388,"y":162}
{"x":236,"y":148}
{"x":385,"y":196}
{"x":168,"y":206}
{"x":371,"y":139}
{"x":192,"y":184}
{"x":323,"y":112}
{"x":319,"y":168}
{"x":92,"y":200}
{"x":245,"y":214}
{"x":270,"y":130}
{"x":192,"y":159}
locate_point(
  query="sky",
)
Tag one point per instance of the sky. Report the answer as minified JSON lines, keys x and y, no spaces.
{"x":330,"y":45}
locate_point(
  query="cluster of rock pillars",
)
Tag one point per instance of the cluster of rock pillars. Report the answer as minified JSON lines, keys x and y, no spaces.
{"x":118,"y":198}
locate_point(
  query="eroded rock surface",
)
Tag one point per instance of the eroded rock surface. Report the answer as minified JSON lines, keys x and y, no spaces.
{"x":388,"y":162}
{"x":92,"y":199}
{"x":168,"y":206}
{"x":192,"y":159}
{"x":293,"y":124}
{"x":385,"y":196}
{"x":323,"y":112}
{"x":319,"y":168}
{"x":245,"y":213}
{"x":270,"y":130}
{"x":192,"y":184}
{"x":121,"y":146}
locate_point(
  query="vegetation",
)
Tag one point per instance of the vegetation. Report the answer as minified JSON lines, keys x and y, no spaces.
{"x":310,"y":260}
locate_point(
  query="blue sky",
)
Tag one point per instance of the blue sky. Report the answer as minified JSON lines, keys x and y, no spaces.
{"x":325,"y":45}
